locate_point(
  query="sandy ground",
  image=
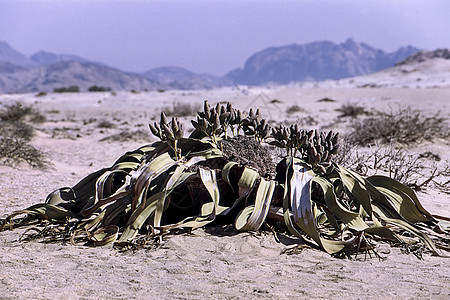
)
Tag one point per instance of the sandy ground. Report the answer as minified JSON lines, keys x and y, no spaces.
{"x":206,"y":264}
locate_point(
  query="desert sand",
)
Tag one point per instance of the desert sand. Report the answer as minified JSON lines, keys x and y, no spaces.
{"x":202,"y":265}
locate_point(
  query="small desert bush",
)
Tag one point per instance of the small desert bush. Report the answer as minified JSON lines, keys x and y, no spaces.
{"x":126,"y":135}
{"x":36,"y":117}
{"x":105,"y":124}
{"x":414,"y":170}
{"x":294,"y":109}
{"x":16,"y":129}
{"x":183,"y":109}
{"x":15,"y":112}
{"x":15,"y":134}
{"x":13,"y":120}
{"x":326,"y":99}
{"x":14,"y":151}
{"x":41,"y":94}
{"x":351,"y":110}
{"x":96,"y":88}
{"x":70,"y":89}
{"x":405,"y":126}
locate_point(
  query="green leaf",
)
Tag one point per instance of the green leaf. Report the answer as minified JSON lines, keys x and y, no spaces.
{"x":105,"y":236}
{"x":351,"y":219}
{"x":403,"y":199}
{"x":252,"y":219}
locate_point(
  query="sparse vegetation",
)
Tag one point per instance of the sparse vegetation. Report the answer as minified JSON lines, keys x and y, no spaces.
{"x":15,"y":112}
{"x":294,"y":109}
{"x":105,"y":124}
{"x":182,"y":183}
{"x":413,"y":170}
{"x":125,"y":135}
{"x":326,"y":99}
{"x":13,"y":120}
{"x":70,"y":89}
{"x":96,"y":88}
{"x":17,"y":129}
{"x":307,"y":121}
{"x":19,"y":112}
{"x":41,"y":94}
{"x":351,"y":110}
{"x":14,"y":151}
{"x":183,"y":109}
{"x":404,"y":126}
{"x":15,"y":135}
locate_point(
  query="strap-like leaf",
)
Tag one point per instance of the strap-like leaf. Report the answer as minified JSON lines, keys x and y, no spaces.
{"x":402,"y":197}
{"x":351,"y":219}
{"x":252,"y":219}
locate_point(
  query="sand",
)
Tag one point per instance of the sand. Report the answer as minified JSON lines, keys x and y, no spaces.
{"x":205,"y":264}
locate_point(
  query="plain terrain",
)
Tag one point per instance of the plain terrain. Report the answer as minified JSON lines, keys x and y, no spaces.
{"x":85,"y":132}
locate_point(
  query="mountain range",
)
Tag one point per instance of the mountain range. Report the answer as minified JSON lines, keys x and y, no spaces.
{"x":317,"y":61}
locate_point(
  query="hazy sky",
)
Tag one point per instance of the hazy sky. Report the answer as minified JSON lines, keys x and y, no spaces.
{"x":213,"y":36}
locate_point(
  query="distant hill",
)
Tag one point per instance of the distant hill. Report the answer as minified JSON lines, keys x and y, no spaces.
{"x":12,"y":56}
{"x":180,"y":78}
{"x":315,"y":62}
{"x":425,"y":69}
{"x":47,"y":58}
{"x":8,"y":68}
{"x":45,"y":78}
{"x":425,"y":55}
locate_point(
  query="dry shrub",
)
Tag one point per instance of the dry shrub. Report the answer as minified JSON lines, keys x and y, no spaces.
{"x":307,"y":121}
{"x":414,"y":170}
{"x":15,"y":112}
{"x":37,"y":117}
{"x":352,"y":110}
{"x":19,"y":112}
{"x":41,"y":94}
{"x":405,"y":126}
{"x":15,"y":135}
{"x":294,"y":109}
{"x":105,"y":124}
{"x":17,"y":129}
{"x":124,"y":136}
{"x":70,"y":89}
{"x":249,"y":152}
{"x":183,"y":109}
{"x":326,"y":99}
{"x":14,"y":151}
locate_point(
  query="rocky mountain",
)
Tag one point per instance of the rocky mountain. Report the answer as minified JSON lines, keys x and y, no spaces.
{"x":180,"y":78}
{"x":45,"y":71}
{"x":45,"y":78}
{"x":425,"y":69}
{"x":425,"y":55}
{"x":8,"y":68}
{"x":315,"y":62}
{"x":47,"y":58}
{"x":12,"y":56}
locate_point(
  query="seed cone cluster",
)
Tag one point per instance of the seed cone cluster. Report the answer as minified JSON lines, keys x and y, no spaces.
{"x":314,"y":147}
{"x":168,"y":132}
